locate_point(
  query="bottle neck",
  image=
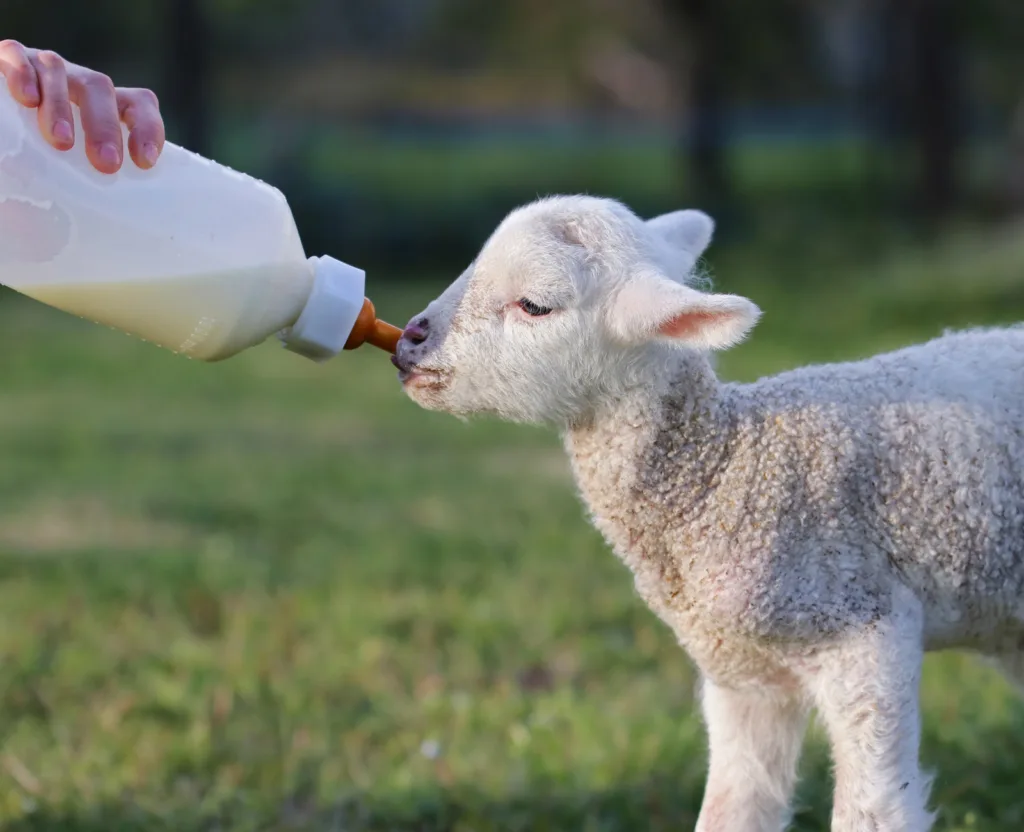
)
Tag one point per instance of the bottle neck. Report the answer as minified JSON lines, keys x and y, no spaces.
{"x":335,"y":302}
{"x":369,"y":329}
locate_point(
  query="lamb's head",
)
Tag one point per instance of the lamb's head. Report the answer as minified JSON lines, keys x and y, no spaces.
{"x":569,"y":298}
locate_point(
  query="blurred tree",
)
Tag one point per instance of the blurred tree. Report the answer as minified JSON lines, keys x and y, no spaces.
{"x":698,"y":24}
{"x":996,"y":66}
{"x":936,"y":111}
{"x":920,"y":93}
{"x":186,"y":90}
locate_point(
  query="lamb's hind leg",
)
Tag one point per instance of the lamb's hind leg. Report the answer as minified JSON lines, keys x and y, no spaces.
{"x":866,"y":689}
{"x":754,"y":739}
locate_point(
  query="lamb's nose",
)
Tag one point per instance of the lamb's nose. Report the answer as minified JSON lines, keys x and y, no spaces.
{"x":416,"y":331}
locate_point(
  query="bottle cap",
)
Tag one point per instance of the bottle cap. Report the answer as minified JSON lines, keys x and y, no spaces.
{"x":334,"y":303}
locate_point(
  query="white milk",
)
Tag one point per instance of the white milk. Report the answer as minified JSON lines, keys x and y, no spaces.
{"x":210,"y":316}
{"x":190,"y":255}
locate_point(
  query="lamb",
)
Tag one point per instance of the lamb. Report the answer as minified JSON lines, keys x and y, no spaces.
{"x":807,"y":537}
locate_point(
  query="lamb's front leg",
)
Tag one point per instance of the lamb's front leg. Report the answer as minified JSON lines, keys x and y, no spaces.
{"x":866,"y":689}
{"x":754,"y":739}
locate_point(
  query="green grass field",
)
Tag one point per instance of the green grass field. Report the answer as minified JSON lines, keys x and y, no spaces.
{"x":267,"y":594}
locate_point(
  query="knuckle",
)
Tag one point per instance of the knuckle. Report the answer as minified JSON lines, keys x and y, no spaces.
{"x":147,"y":97}
{"x":99,"y":82}
{"x":11,"y":45}
{"x":138,"y":97}
{"x":50,"y":59}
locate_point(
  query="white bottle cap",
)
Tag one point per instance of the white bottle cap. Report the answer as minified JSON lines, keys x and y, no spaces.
{"x":330,"y":313}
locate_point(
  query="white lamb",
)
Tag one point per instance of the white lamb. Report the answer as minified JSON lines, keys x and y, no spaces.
{"x":807,"y":537}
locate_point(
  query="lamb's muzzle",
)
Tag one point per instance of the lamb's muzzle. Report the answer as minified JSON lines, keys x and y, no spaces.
{"x":410,"y":348}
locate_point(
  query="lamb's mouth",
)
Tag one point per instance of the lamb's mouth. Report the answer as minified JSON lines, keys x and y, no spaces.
{"x":424,"y":378}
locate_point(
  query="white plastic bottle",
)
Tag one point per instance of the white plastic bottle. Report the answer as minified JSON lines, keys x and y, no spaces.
{"x":189,"y":255}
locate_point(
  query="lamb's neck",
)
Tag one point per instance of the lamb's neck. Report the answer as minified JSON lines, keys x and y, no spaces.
{"x":671,"y":419}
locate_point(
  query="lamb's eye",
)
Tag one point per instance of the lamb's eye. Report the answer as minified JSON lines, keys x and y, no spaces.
{"x":531,"y":308}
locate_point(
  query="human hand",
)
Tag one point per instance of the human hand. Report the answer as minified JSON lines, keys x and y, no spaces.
{"x":41,"y":79}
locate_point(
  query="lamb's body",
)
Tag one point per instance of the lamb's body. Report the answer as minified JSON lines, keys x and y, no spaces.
{"x":807,"y":537}
{"x":759,"y":518}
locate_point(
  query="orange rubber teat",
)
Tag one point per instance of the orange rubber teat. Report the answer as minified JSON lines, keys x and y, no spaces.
{"x":369,"y":329}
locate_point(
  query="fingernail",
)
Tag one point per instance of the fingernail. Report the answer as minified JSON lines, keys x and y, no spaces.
{"x":150,"y":153}
{"x":109,"y":155}
{"x":31,"y":91}
{"x":62,"y":131}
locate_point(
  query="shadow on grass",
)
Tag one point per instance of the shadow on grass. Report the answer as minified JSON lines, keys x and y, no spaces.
{"x":976,"y":793}
{"x":658,"y":803}
{"x":655,"y":805}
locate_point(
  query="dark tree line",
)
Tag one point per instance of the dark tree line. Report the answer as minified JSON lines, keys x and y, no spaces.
{"x":915,"y":93}
{"x":915,"y":101}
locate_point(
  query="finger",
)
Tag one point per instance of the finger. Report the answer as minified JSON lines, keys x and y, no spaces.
{"x":20,"y":74}
{"x":96,"y":98}
{"x":140,"y":110}
{"x":55,"y":119}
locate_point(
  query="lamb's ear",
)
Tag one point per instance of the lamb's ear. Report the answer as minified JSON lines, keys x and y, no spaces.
{"x":650,"y":307}
{"x":689,"y":230}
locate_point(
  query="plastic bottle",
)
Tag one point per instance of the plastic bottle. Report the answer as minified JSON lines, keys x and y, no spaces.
{"x":189,"y":255}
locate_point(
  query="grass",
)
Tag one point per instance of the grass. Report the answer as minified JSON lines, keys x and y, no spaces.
{"x":267,"y":594}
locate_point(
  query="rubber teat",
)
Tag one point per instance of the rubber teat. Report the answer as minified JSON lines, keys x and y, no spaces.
{"x":370,"y":329}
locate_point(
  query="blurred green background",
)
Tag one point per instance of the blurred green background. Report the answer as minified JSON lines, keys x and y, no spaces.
{"x":267,"y":594}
